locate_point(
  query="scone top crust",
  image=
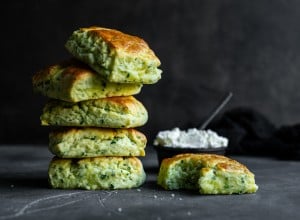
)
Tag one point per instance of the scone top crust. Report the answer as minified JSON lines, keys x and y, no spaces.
{"x":123,"y":104}
{"x":74,"y":81}
{"x":120,"y":41}
{"x":118,"y":57}
{"x":70,"y":68}
{"x":126,"y":103}
{"x":112,"y":112}
{"x":211,"y":160}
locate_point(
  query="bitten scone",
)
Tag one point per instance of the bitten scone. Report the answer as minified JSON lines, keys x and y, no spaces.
{"x":113,"y":112}
{"x":96,"y":173}
{"x":74,"y":81}
{"x":94,"y":142}
{"x":208,"y":173}
{"x":117,"y":56}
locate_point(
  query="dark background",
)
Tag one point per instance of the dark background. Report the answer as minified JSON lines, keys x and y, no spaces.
{"x":206,"y":48}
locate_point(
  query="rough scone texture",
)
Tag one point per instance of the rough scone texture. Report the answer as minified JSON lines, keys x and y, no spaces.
{"x":96,"y":173}
{"x":117,"y":56}
{"x":208,"y":173}
{"x":95,"y":142}
{"x":113,"y":112}
{"x":74,"y":81}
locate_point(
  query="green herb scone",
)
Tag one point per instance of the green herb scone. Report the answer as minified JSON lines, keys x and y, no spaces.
{"x":208,"y":173}
{"x":96,"y":173}
{"x":74,"y":81}
{"x":94,"y":142}
{"x":113,"y":112}
{"x":117,"y":56}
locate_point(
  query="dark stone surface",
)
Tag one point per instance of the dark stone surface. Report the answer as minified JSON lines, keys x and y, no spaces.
{"x":206,"y":48}
{"x":24,"y":193}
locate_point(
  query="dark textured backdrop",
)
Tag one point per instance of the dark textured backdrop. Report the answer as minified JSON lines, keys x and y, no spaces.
{"x":206,"y":48}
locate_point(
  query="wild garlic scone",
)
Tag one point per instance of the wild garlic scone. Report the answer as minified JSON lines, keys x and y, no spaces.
{"x":74,"y":81}
{"x":113,"y":112}
{"x":117,"y":56}
{"x":94,"y":142}
{"x":208,"y":173}
{"x":96,"y":173}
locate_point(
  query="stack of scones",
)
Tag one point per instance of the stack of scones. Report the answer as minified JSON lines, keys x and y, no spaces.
{"x":94,"y":112}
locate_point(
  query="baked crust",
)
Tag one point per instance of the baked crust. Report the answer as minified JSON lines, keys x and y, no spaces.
{"x":74,"y":81}
{"x":120,"y":41}
{"x":113,"y":112}
{"x":116,"y":56}
{"x":94,"y":142}
{"x":209,"y":173}
{"x":212,"y":160}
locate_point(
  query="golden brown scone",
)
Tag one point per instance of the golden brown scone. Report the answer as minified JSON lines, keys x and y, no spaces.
{"x":209,"y":173}
{"x":117,"y":56}
{"x":113,"y":112}
{"x":95,"y":142}
{"x":74,"y":81}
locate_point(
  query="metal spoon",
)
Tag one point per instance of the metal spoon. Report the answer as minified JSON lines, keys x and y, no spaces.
{"x":217,"y":109}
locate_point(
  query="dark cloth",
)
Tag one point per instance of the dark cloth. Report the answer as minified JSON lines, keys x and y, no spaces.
{"x":251,"y":133}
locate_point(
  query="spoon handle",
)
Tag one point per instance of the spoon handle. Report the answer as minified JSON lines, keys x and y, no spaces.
{"x":217,"y":109}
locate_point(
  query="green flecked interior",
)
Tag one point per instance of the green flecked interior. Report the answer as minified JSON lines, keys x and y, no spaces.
{"x":62,"y":86}
{"x":96,"y":87}
{"x":113,"y":65}
{"x":182,"y":175}
{"x":92,"y":174}
{"x":92,"y":50}
{"x":55,"y":85}
{"x":87,"y":143}
{"x":188,"y":174}
{"x":219,"y":182}
{"x":92,"y":113}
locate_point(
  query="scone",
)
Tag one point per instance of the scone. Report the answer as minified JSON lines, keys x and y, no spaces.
{"x":113,"y":112}
{"x":208,"y":173}
{"x":116,"y":56}
{"x":74,"y":81}
{"x":96,"y":173}
{"x":94,"y":142}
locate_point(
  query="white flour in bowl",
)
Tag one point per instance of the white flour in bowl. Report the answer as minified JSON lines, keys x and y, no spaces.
{"x":192,"y":138}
